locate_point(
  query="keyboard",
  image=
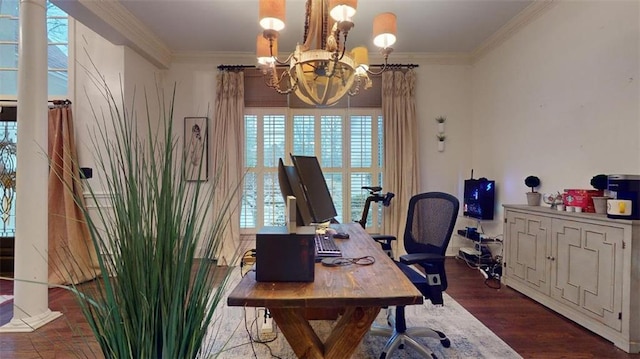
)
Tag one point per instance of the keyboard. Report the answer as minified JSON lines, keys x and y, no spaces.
{"x":326,"y":247}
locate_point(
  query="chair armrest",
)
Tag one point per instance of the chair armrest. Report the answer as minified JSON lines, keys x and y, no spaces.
{"x":421,"y":257}
{"x":383,"y":237}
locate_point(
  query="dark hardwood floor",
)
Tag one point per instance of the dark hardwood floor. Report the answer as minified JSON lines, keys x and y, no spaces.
{"x":529,"y":328}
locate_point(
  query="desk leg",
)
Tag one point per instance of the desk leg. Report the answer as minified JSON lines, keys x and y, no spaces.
{"x":342,"y":341}
{"x":351,"y":328}
{"x":303,"y":340}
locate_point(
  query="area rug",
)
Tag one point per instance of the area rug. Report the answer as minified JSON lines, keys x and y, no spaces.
{"x":469,"y":337}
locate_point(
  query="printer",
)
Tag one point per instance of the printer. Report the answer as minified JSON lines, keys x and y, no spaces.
{"x":625,"y":190}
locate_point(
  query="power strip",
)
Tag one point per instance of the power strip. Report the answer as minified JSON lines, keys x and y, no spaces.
{"x":266,"y":325}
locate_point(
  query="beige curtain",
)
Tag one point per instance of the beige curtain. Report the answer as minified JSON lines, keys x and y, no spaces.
{"x":400,"y":174}
{"x":228,"y":139}
{"x":71,"y":253}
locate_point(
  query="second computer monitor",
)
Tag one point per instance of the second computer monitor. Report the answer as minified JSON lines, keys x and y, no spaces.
{"x":290,"y":186}
{"x":315,"y":188}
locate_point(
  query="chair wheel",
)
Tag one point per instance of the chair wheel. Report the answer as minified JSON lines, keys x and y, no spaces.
{"x":443,"y":339}
{"x":433,"y":356}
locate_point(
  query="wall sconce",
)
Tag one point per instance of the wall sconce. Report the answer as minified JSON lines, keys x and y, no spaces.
{"x":440,"y":136}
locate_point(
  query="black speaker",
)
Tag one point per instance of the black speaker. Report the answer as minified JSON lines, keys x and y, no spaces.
{"x":285,"y":257}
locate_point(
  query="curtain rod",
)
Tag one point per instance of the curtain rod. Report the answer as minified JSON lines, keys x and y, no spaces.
{"x":55,"y":102}
{"x":241,"y":67}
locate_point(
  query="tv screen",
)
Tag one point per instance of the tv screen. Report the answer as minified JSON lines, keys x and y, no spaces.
{"x":479,"y":198}
{"x":290,"y":186}
{"x":315,"y":188}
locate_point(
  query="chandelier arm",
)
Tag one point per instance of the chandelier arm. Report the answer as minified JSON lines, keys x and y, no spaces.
{"x":285,"y":62}
{"x":344,"y":45}
{"x":275,"y":58}
{"x":274,"y":82}
{"x":385,"y":53}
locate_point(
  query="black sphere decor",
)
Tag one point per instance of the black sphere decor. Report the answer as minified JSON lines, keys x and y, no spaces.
{"x":532,"y":182}
{"x":600,"y":181}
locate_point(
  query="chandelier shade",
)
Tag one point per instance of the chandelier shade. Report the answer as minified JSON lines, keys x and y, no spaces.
{"x":272,"y":13}
{"x":360,"y":56}
{"x":321,"y":70}
{"x":384,"y":29}
{"x":266,"y":51}
{"x":343,"y":10}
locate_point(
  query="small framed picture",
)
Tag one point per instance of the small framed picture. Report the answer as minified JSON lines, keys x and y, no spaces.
{"x":196,"y":148}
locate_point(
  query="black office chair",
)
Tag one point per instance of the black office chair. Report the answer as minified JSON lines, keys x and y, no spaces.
{"x":430,"y":221}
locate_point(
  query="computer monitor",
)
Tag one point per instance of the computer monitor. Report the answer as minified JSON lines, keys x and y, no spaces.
{"x":290,"y":186}
{"x":315,"y":188}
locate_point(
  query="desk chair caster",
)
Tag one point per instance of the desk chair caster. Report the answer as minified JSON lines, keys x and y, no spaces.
{"x":399,"y":335}
{"x":375,"y":196}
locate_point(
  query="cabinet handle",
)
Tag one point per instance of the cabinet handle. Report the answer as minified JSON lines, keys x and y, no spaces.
{"x":553,"y":259}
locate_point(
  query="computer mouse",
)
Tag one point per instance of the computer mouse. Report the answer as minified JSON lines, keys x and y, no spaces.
{"x":341,"y":235}
{"x":330,"y":232}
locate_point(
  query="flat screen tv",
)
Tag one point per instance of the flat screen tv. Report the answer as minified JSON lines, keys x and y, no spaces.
{"x":479,"y":198}
{"x":315,"y":188}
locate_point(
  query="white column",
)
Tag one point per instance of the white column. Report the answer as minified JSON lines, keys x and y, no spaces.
{"x":31,"y":297}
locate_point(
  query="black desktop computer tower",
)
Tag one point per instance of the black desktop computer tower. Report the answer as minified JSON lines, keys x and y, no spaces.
{"x":285,"y":257}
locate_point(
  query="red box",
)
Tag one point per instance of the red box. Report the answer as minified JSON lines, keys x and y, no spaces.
{"x":582,"y":198}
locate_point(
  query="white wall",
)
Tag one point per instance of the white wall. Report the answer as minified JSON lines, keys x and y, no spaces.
{"x":559,"y":100}
{"x":93,"y":54}
{"x":121,"y":68}
{"x":443,"y":90}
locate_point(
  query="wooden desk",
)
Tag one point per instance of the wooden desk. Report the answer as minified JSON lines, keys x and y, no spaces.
{"x":360,"y":290}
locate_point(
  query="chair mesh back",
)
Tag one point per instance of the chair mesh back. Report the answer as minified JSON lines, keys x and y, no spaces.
{"x":430,"y":222}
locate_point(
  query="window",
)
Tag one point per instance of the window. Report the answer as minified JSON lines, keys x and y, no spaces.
{"x":347,"y":142}
{"x":58,"y":49}
{"x":8,"y":149}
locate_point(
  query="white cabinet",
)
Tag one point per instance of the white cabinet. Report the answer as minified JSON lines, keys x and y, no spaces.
{"x":582,"y":265}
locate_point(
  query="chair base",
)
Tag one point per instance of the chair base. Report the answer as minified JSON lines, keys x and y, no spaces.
{"x":398,"y":340}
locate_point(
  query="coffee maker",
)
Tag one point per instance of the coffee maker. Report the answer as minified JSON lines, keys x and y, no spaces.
{"x":626,"y":192}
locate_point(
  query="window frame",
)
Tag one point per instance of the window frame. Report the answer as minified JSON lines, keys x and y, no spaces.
{"x":70,"y":70}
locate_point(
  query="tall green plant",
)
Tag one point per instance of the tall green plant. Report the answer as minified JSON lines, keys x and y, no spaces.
{"x":153,"y":298}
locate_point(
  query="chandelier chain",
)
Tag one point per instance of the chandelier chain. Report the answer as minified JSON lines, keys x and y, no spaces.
{"x":307,"y":19}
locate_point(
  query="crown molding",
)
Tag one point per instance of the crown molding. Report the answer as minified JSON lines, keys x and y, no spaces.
{"x":526,"y":16}
{"x":208,"y":57}
{"x":430,"y":58}
{"x":114,"y":22}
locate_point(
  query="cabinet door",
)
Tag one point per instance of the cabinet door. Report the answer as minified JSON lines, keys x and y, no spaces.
{"x":586,"y":270}
{"x":527,"y":240}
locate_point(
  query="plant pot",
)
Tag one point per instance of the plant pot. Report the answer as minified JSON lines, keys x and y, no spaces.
{"x":600,"y":204}
{"x":440,"y":127}
{"x":533,"y":198}
{"x":440,"y":146}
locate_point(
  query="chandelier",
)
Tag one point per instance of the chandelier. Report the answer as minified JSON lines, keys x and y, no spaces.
{"x":321,"y":70}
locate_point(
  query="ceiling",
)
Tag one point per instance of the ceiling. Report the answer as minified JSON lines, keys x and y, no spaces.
{"x":424,"y":26}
